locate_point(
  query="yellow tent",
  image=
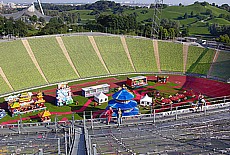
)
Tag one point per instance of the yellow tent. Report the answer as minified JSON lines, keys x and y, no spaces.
{"x":45,"y":114}
{"x":15,"y":105}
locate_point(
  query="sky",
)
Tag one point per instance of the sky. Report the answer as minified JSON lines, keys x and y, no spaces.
{"x":184,"y":2}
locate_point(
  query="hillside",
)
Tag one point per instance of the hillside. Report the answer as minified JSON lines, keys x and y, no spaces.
{"x":197,"y":18}
{"x":195,"y":25}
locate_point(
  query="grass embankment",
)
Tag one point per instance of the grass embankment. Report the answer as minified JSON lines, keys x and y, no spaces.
{"x":113,"y":54}
{"x":221,"y":68}
{"x":83,"y":56}
{"x":18,"y":67}
{"x":142,"y":54}
{"x":51,"y":59}
{"x":171,"y":56}
{"x":199,"y":60}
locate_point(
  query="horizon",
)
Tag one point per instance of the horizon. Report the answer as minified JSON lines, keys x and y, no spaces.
{"x":184,"y":2}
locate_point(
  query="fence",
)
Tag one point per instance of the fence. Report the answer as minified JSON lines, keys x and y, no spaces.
{"x":218,"y":104}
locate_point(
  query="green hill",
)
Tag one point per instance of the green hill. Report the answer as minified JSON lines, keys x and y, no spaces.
{"x":220,"y":21}
{"x":196,"y":26}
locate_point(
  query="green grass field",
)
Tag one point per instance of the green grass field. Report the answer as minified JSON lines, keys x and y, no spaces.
{"x":51,"y":59}
{"x":18,"y":67}
{"x":113,"y":54}
{"x":83,"y":56}
{"x":221,"y":68}
{"x":171,"y":56}
{"x":142,"y":54}
{"x":199,"y":60}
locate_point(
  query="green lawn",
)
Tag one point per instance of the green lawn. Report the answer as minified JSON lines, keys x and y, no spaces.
{"x":142,"y":54}
{"x":83,"y":56}
{"x":199,"y":28}
{"x":171,"y":56}
{"x":221,"y":68}
{"x":18,"y":66}
{"x":84,"y":14}
{"x":51,"y":59}
{"x":113,"y":54}
{"x":220,"y":21}
{"x":199,"y":60}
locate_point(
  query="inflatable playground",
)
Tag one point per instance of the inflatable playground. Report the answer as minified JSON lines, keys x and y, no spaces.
{"x":175,"y":75}
{"x":25,"y":103}
{"x":64,"y":95}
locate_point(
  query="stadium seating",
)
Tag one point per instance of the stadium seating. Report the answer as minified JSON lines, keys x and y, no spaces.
{"x":142,"y":54}
{"x":221,"y":68}
{"x":113,"y":54}
{"x":4,"y":86}
{"x":83,"y":56}
{"x":18,"y":66}
{"x":171,"y":56}
{"x":22,"y":73}
{"x":199,"y":60}
{"x":51,"y":59}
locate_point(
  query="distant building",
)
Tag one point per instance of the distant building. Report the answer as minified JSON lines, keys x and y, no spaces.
{"x":25,"y":14}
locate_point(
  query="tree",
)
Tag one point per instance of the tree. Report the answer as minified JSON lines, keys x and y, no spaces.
{"x":41,"y":19}
{"x":185,"y":15}
{"x":172,"y":33}
{"x":208,"y":12}
{"x":34,"y":19}
{"x":185,"y":32}
{"x":191,"y":14}
{"x":224,"y":39}
{"x":165,"y":34}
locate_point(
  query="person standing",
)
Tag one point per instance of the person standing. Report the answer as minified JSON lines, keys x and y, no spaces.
{"x":119,"y":116}
{"x":109,"y":114}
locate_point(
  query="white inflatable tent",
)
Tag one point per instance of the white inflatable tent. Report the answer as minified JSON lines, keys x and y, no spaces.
{"x":146,"y":101}
{"x":100,"y":98}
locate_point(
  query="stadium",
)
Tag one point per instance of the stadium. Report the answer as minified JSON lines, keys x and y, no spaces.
{"x":41,"y":62}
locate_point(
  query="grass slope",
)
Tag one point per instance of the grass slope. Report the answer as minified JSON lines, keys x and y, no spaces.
{"x":171,"y":56}
{"x":18,"y":66}
{"x":142,"y":54}
{"x":4,"y":87}
{"x":51,"y":59}
{"x":83,"y":56}
{"x":220,"y":21}
{"x":199,"y":28}
{"x":221,"y":68}
{"x":199,"y":60}
{"x":113,"y":53}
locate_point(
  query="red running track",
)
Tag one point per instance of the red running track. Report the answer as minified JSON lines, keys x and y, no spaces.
{"x":207,"y":87}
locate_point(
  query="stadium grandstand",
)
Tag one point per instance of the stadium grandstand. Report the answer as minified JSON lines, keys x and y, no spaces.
{"x":85,"y":56}
{"x":37,"y":62}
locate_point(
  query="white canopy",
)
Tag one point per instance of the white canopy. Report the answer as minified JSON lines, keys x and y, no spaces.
{"x":146,"y":100}
{"x":100,"y":97}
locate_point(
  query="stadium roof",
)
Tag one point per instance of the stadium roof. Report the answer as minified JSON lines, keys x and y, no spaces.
{"x":27,"y":12}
